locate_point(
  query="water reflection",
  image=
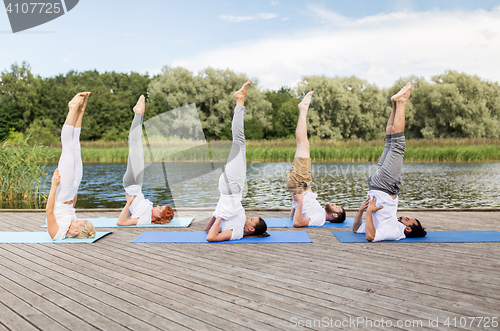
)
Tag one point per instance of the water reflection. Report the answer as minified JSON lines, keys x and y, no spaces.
{"x":425,"y":185}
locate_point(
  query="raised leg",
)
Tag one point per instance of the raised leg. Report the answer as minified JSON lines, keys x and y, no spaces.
{"x":387,"y":147}
{"x":387,"y":176}
{"x":76,"y":140}
{"x":390,"y":122}
{"x":401,"y":98}
{"x":135,"y":163}
{"x":70,"y":160}
{"x":232,"y":180}
{"x":396,"y":122}
{"x":301,"y":130}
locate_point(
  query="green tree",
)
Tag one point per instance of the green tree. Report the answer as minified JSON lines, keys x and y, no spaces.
{"x":454,"y":105}
{"x":344,"y":107}
{"x":284,"y":112}
{"x":211,"y":90}
{"x":42,"y":131}
{"x":19,"y":98}
{"x":253,"y":130}
{"x":109,"y":109}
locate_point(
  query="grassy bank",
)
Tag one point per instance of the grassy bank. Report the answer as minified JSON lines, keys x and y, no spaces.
{"x":22,"y":174}
{"x":430,"y":150}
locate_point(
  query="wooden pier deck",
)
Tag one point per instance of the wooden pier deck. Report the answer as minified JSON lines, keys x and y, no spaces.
{"x":113,"y":284}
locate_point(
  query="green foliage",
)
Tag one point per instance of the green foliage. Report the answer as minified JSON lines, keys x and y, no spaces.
{"x":28,"y":102}
{"x":19,"y":98}
{"x":211,"y":91}
{"x":283,"y":150}
{"x":253,"y":130}
{"x":284,"y":112}
{"x":435,"y":150}
{"x":15,"y":137}
{"x":346,"y":107}
{"x":451,"y":105}
{"x":42,"y":131}
{"x":113,"y":95}
{"x":22,"y":172}
{"x":115,"y":134}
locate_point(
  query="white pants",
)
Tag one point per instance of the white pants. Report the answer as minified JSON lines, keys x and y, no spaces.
{"x":70,"y":164}
{"x":232,"y":180}
{"x":135,"y":162}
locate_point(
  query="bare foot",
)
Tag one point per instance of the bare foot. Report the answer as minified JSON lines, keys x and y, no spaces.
{"x":242,"y":92}
{"x":83,"y":105}
{"x":77,"y":101}
{"x":304,"y":104}
{"x":81,"y":110}
{"x":140,"y":106}
{"x":404,"y":94}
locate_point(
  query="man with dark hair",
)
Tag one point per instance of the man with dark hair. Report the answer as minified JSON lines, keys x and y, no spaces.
{"x":306,"y":210}
{"x":382,"y":203}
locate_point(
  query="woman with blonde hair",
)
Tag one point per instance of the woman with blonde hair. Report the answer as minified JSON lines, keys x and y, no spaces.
{"x":60,"y":208}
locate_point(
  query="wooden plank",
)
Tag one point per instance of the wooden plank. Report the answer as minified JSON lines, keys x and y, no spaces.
{"x":191,"y":280}
{"x":118,"y":298}
{"x":114,"y":285}
{"x":251,"y":286}
{"x":10,"y":320}
{"x":208,"y":263}
{"x":38,"y":301}
{"x":289,"y":301}
{"x":24,"y":309}
{"x":83,"y":305}
{"x":249,"y":322}
{"x":427,"y":267}
{"x":350,"y":274}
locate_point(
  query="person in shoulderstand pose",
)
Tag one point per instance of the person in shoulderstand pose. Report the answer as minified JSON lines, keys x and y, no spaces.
{"x":381,"y":205}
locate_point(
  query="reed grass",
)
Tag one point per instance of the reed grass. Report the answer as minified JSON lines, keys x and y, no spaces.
{"x":22,"y":174}
{"x":281,"y":150}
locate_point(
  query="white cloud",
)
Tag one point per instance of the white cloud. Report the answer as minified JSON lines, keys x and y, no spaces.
{"x":260,"y":16}
{"x":379,"y":48}
{"x":275,"y":3}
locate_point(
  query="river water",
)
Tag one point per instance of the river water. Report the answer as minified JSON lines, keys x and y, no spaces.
{"x":425,"y":185}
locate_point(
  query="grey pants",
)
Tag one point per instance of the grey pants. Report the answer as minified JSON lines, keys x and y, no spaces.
{"x":387,"y":176}
{"x":232,"y":180}
{"x":135,"y":162}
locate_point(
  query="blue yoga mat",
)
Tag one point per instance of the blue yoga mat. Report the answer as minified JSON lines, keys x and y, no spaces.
{"x":43,"y":238}
{"x":288,"y":223}
{"x":431,"y":237}
{"x":105,"y":222}
{"x":199,"y":237}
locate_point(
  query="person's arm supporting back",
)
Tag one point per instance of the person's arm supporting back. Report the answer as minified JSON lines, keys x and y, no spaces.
{"x":52,"y":226}
{"x":358,"y":220}
{"x":214,"y":235}
{"x":298,"y":220}
{"x":369,"y":227}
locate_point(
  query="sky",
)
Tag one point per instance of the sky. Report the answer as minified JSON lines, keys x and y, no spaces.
{"x":275,"y":43}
